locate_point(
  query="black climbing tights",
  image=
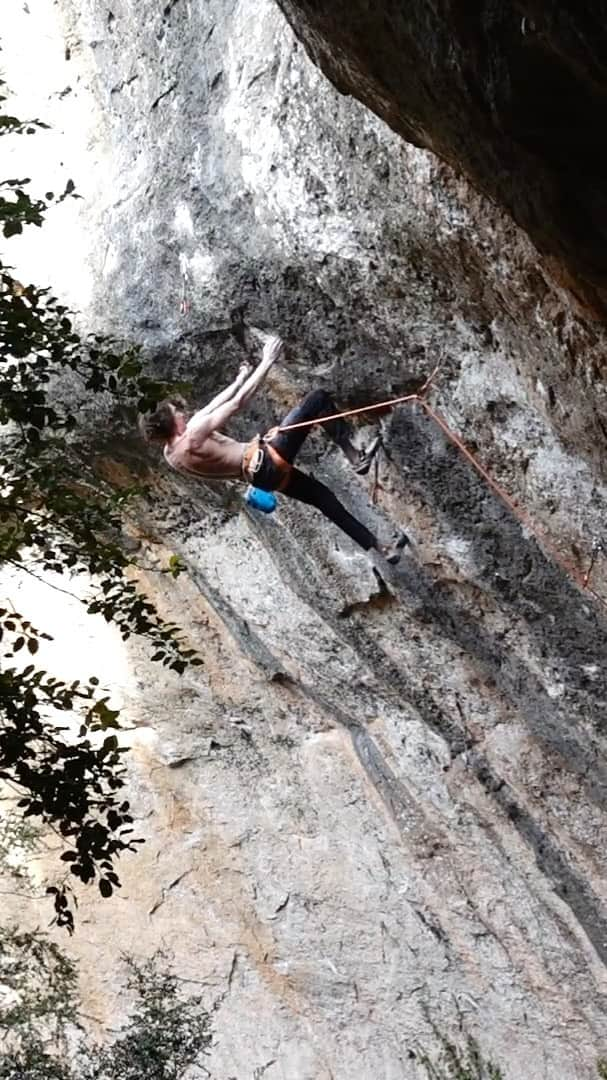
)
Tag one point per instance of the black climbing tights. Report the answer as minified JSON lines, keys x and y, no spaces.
{"x":315,"y":404}
{"x":308,"y":490}
{"x":305,"y":488}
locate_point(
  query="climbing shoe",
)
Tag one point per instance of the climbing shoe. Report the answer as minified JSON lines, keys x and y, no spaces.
{"x":367,"y":456}
{"x":392,"y":552}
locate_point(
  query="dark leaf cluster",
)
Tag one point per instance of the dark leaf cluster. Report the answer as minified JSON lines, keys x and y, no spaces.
{"x":12,"y":125}
{"x":70,"y":783}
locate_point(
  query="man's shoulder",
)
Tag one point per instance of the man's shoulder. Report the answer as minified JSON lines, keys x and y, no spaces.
{"x":178,"y":458}
{"x":175,"y":451}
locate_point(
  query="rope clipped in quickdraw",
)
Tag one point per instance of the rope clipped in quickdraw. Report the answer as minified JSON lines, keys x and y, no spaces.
{"x":581,"y":580}
{"x":418,"y":396}
{"x":598,"y":548}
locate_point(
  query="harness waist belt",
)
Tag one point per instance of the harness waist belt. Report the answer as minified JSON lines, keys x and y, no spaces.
{"x":253,"y":457}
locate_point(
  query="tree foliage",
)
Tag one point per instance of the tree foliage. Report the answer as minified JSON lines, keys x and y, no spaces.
{"x":459,"y":1063}
{"x":57,"y":515}
{"x":41,"y":1034}
{"x":165,"y":1034}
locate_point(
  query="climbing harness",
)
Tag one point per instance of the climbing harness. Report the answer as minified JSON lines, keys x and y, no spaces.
{"x":419,"y":398}
{"x":254,"y":456}
{"x":252,"y":461}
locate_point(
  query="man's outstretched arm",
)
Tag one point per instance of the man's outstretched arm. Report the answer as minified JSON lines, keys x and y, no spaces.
{"x":227,"y":394}
{"x":204,"y":422}
{"x":273,"y":350}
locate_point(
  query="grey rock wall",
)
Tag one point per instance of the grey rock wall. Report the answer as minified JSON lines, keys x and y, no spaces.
{"x":380,"y":804}
{"x":511,"y":93}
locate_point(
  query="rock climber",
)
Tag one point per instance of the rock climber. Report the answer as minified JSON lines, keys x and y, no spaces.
{"x":197,"y":446}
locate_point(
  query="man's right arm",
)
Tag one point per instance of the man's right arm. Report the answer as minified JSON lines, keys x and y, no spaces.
{"x":273,"y":350}
{"x":203,"y":423}
{"x":228,"y":393}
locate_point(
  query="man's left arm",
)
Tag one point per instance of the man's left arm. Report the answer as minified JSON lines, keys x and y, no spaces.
{"x":204,"y":422}
{"x":225,"y":395}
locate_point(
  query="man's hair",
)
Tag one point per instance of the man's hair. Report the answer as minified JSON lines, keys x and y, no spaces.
{"x":160,"y":425}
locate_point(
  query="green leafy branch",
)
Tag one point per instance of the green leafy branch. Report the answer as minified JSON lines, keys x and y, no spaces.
{"x":457,"y":1063}
{"x":165,"y":1036}
{"x":12,"y":125}
{"x":72,"y":784}
{"x":20,"y":209}
{"x":57,"y":515}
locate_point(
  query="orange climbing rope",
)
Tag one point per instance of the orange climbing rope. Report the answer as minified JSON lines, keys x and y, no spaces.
{"x":580,"y":579}
{"x":363,"y":409}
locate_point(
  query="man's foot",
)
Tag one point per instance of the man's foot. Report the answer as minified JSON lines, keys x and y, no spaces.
{"x":392,"y":552}
{"x":366,"y":457}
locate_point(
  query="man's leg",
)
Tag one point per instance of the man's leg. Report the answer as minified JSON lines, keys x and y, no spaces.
{"x":316,"y":404}
{"x":308,"y":490}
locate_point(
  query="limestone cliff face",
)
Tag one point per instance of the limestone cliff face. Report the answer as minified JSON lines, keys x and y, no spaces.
{"x":513,"y":94}
{"x":381,"y":802}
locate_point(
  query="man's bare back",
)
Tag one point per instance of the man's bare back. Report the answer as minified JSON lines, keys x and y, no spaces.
{"x":216,"y":458}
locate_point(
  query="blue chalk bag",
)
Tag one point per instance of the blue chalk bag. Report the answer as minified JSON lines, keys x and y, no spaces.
{"x":265,"y":501}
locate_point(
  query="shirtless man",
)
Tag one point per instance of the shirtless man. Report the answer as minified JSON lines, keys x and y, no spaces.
{"x":197,"y":446}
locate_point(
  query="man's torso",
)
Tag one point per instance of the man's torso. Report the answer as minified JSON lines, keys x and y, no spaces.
{"x":216,"y":458}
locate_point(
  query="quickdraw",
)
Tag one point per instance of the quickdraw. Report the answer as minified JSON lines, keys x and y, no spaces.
{"x":582,"y":580}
